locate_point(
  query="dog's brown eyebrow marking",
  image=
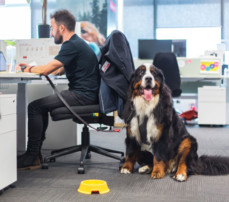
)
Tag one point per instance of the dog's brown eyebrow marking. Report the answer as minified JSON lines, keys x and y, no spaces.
{"x":143,"y":67}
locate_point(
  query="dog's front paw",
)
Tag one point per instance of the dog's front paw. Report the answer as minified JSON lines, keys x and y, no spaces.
{"x":124,"y":171}
{"x":157,"y":174}
{"x":127,"y":168}
{"x":180,"y":177}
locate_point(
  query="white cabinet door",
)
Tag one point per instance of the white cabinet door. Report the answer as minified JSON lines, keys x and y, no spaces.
{"x":8,"y":171}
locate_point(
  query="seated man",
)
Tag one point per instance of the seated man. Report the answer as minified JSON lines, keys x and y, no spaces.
{"x":80,"y":64}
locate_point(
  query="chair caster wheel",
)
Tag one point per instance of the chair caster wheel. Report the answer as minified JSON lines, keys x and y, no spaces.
{"x":52,"y":160}
{"x":44,"y":166}
{"x":88,"y":156}
{"x":81,"y":170}
{"x":122,"y":161}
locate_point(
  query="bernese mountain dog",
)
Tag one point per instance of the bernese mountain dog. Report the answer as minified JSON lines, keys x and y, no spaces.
{"x":156,"y":137}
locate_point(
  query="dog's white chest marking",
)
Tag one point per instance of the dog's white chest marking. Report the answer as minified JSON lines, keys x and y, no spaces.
{"x":144,"y":109}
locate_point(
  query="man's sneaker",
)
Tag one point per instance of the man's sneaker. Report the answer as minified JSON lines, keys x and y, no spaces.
{"x":40,"y":157}
{"x":28,"y":162}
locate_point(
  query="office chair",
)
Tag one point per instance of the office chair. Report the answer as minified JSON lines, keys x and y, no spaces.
{"x":88,"y":114}
{"x":167,"y":62}
{"x":117,"y":72}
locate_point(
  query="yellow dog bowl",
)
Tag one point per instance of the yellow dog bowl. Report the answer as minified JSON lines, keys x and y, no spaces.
{"x":93,"y":187}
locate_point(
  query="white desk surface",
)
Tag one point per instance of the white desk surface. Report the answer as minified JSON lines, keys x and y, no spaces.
{"x":204,"y":77}
{"x":19,"y":75}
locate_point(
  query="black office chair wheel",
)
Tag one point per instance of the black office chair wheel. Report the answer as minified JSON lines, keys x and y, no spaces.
{"x":122,"y":161}
{"x":88,"y":156}
{"x":45,"y":166}
{"x":81,"y":170}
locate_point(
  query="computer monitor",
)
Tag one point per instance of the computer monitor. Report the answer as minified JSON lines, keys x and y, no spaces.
{"x":179,"y":47}
{"x":148,"y":48}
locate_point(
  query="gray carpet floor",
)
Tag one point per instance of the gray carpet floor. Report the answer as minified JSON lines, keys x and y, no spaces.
{"x":61,"y":181}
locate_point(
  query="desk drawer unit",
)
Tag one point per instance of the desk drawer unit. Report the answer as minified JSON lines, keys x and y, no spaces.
{"x":8,"y":139}
{"x":213,"y":108}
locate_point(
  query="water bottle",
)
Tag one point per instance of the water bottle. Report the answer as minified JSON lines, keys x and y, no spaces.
{"x":2,"y":62}
{"x":10,"y":56}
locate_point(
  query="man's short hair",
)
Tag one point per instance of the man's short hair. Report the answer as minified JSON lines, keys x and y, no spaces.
{"x":66,"y":18}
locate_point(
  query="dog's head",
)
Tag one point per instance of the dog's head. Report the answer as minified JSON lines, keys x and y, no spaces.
{"x":146,"y":81}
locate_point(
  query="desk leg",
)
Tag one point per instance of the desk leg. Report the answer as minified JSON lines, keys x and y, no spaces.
{"x":21,"y":117}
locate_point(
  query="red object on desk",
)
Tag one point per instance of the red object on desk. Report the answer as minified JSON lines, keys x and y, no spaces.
{"x":116,"y":130}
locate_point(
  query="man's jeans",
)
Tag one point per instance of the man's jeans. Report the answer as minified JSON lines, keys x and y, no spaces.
{"x":38,"y":116}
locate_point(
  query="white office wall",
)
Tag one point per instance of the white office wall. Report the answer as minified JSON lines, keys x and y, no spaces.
{"x":139,"y":21}
{"x":198,"y":40}
{"x":15,"y":20}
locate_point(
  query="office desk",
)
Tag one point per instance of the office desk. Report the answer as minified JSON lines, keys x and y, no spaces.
{"x":202,"y":77}
{"x":28,"y":88}
{"x":21,"y":79}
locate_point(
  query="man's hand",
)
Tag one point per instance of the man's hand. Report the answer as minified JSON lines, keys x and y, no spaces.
{"x":23,"y":67}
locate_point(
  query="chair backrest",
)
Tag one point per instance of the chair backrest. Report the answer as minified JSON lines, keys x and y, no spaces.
{"x":116,"y":67}
{"x":167,"y":62}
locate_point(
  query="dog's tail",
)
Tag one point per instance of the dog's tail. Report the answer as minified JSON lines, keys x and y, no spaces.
{"x":212,"y":165}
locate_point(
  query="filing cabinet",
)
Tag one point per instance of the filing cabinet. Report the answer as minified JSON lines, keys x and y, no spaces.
{"x":213,"y":105}
{"x":8,"y":140}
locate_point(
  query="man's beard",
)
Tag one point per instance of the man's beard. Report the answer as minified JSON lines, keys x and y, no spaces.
{"x":58,"y":40}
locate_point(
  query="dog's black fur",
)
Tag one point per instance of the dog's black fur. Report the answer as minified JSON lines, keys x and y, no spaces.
{"x":154,"y":124}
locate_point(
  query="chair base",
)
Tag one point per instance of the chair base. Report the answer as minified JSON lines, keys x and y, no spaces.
{"x":85,"y":149}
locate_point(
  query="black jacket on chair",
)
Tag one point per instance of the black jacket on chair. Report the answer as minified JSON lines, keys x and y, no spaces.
{"x":116,"y":66}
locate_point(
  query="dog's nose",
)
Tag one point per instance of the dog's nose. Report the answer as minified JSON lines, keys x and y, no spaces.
{"x":148,"y":79}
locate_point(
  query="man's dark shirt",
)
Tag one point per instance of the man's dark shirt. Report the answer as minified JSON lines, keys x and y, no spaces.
{"x":81,"y":67}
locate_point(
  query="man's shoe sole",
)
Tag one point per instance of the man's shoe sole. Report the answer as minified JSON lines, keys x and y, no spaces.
{"x":30,"y":167}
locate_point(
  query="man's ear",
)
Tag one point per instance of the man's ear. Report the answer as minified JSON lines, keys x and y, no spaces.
{"x":62,"y":27}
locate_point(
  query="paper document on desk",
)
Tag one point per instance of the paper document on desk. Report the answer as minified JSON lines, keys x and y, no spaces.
{"x":210,"y":66}
{"x":40,"y":50}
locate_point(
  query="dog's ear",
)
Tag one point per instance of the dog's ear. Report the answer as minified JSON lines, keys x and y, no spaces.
{"x":160,"y":74}
{"x":131,"y":84}
{"x":127,"y":107}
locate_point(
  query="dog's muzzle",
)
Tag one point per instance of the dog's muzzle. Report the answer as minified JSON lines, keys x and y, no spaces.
{"x":147,"y":87}
{"x":147,"y":92}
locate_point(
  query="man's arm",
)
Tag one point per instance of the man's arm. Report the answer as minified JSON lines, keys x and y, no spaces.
{"x":59,"y":71}
{"x":47,"y":69}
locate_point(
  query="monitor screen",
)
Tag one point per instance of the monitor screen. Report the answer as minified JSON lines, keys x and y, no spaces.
{"x":179,"y":47}
{"x":148,"y":48}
